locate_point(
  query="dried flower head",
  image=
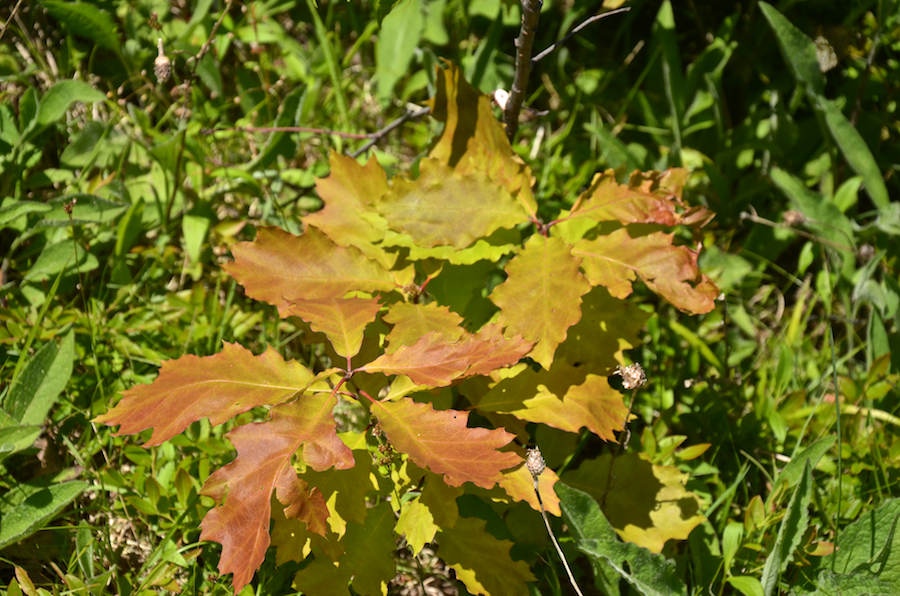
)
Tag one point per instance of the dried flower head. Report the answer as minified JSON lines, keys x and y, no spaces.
{"x":633,"y":376}
{"x":534,"y":461}
{"x":162,"y":66}
{"x":793,"y":218}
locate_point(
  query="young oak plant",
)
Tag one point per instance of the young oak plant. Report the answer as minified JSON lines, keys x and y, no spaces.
{"x":357,"y":276}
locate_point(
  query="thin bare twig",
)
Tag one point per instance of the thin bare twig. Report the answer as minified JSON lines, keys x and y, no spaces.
{"x":12,"y":15}
{"x":584,"y":24}
{"x":531,"y":12}
{"x":378,"y":135}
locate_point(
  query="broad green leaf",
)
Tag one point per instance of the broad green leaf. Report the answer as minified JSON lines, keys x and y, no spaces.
{"x":61,"y":257}
{"x":15,"y":210}
{"x":86,"y":208}
{"x":17,"y":438}
{"x":264,"y":465}
{"x":856,"y":152}
{"x":586,"y":522}
{"x":793,"y":473}
{"x":790,"y":533}
{"x":218,"y":387}
{"x":63,"y":94}
{"x":85,"y":20}
{"x":645,"y":503}
{"x":342,"y":320}
{"x":129,"y":228}
{"x":671,"y":271}
{"x":29,"y":515}
{"x":443,"y":207}
{"x":541,"y":297}
{"x":441,"y":442}
{"x":401,"y":31}
{"x":861,"y":541}
{"x":799,"y":51}
{"x":322,"y":577}
{"x":412,"y":321}
{"x":746,"y":585}
{"x":482,"y":562}
{"x":278,"y":267}
{"x":41,"y":381}
{"x":194,"y":228}
{"x":824,"y":216}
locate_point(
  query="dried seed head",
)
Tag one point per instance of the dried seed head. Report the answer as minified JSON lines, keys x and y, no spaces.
{"x":633,"y":376}
{"x":793,"y":218}
{"x":535,"y":462}
{"x":412,"y":292}
{"x":162,"y":66}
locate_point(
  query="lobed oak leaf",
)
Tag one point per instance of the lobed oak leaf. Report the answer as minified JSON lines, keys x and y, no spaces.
{"x":564,"y":397}
{"x":412,"y":321}
{"x":441,"y":442}
{"x":433,"y":361}
{"x":278,"y":267}
{"x":217,"y":387}
{"x":646,"y":504}
{"x":416,"y":523}
{"x":443,"y":207}
{"x":607,"y":327}
{"x":636,"y":202}
{"x":293,"y":540}
{"x":473,"y":139}
{"x":342,"y":320}
{"x":348,"y":217}
{"x":482,"y":562}
{"x":671,"y":271}
{"x":322,"y":577}
{"x":491,"y":248}
{"x":435,"y":508}
{"x":263,"y":465}
{"x":541,"y":297}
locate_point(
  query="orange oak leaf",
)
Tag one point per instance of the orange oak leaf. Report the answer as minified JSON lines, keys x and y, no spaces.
{"x":217,"y":387}
{"x":435,"y":362}
{"x":440,"y":441}
{"x":412,"y":321}
{"x":443,"y":207}
{"x":278,"y":267}
{"x":541,"y":298}
{"x":263,"y":465}
{"x":636,"y":202}
{"x":342,"y":320}
{"x":671,"y":271}
{"x":348,"y":192}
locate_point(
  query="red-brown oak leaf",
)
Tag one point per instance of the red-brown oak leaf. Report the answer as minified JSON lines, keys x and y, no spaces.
{"x":263,"y":465}
{"x":435,"y":362}
{"x":671,"y":271}
{"x":279,"y":267}
{"x":218,"y":387}
{"x":440,"y":441}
